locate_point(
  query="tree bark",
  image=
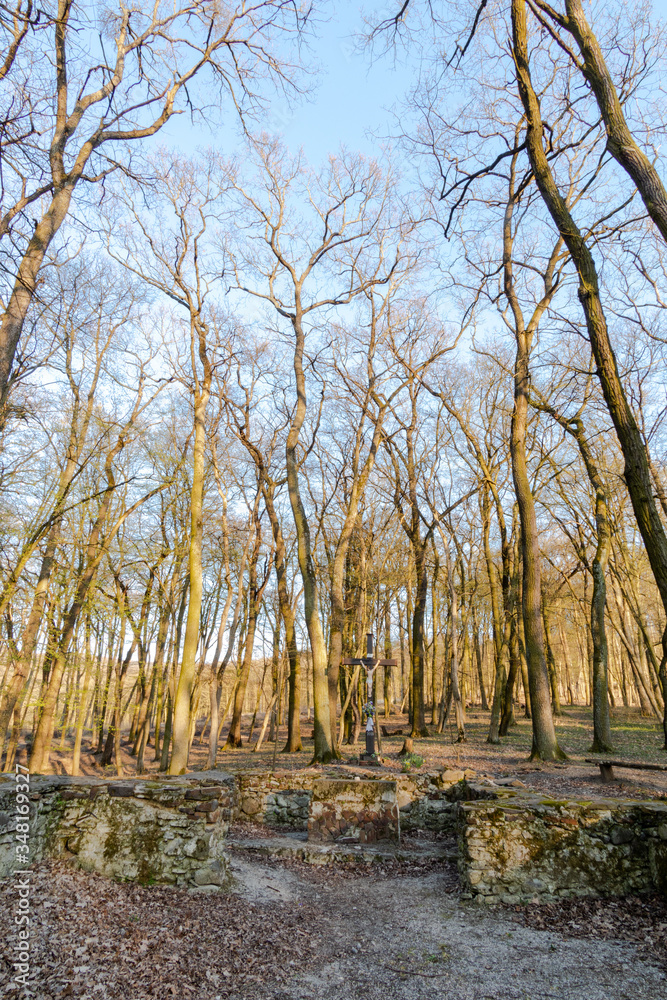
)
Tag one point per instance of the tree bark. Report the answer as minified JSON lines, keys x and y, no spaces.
{"x":620,"y":141}
{"x":95,"y":549}
{"x":602,"y":739}
{"x":255,"y":594}
{"x":186,"y":678}
{"x":454,"y":667}
{"x":478,"y":661}
{"x":293,"y":744}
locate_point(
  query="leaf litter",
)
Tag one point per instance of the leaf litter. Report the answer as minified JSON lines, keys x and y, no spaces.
{"x":95,"y":938}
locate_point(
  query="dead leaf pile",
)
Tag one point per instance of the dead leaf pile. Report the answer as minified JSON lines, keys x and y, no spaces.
{"x":642,"y":920}
{"x":95,"y":939}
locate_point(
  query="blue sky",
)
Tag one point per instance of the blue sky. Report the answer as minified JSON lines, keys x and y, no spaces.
{"x":352,"y":95}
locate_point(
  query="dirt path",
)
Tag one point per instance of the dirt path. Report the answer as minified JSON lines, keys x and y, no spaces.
{"x":407,"y":938}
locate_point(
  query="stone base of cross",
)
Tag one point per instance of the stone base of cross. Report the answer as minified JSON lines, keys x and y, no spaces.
{"x":370,"y":664}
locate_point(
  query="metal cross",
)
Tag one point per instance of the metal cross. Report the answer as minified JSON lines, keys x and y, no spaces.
{"x":370,"y":663}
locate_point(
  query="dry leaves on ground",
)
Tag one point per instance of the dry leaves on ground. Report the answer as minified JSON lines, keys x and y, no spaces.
{"x":642,"y":920}
{"x":93,"y":938}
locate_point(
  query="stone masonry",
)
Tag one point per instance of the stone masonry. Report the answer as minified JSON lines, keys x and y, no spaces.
{"x":521,"y":847}
{"x":282,"y":798}
{"x":353,"y":810}
{"x":279,"y":798}
{"x":170,"y":830}
{"x":514,"y":845}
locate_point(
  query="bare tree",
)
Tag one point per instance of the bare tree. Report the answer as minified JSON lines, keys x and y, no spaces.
{"x":637,"y":471}
{"x":103,"y":530}
{"x":90,"y":321}
{"x":192,"y":193}
{"x":302,"y":267}
{"x":592,"y":64}
{"x":142,"y":66}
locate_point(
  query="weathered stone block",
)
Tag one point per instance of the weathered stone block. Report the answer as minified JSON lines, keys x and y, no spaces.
{"x":121,"y":791}
{"x":620,"y":835}
{"x":127,"y":830}
{"x":251,"y":805}
{"x":356,"y":810}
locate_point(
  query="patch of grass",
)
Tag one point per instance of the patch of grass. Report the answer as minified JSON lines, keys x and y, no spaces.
{"x":410,"y":761}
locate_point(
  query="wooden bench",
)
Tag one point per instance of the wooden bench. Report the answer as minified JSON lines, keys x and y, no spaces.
{"x":607,"y":767}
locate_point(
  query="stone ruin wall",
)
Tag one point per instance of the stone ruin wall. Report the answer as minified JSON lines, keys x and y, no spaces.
{"x":524,"y":847}
{"x":344,"y":810}
{"x":282,"y":799}
{"x":172,"y":830}
{"x":169,"y":831}
{"x":514,"y":846}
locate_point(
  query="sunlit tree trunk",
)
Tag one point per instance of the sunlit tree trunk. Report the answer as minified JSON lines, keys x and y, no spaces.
{"x":454,"y":667}
{"x":324,"y":749}
{"x":293,"y":744}
{"x":186,"y":677}
{"x":637,"y":473}
{"x":255,"y":595}
{"x":602,"y":739}
{"x":83,"y":703}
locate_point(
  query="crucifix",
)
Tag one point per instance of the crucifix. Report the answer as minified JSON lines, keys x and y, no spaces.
{"x":370,"y":664}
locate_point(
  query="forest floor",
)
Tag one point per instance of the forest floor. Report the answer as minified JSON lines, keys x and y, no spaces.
{"x":635,"y":739}
{"x":290,"y":931}
{"x":391,"y":931}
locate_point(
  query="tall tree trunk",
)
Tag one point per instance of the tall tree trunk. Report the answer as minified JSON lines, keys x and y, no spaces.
{"x":478,"y":661}
{"x":602,"y":739}
{"x":507,"y":717}
{"x":496,"y":622}
{"x":620,"y":141}
{"x":545,"y":744}
{"x":324,"y":749}
{"x":218,"y":671}
{"x":356,"y":487}
{"x":186,"y":678}
{"x":454,"y":668}
{"x":293,"y":744}
{"x":83,"y":704}
{"x":551,"y":660}
{"x":30,"y":632}
{"x":255,"y":592}
{"x":388,"y":685}
{"x":22,"y":294}
{"x":418,"y":714}
{"x":95,"y":549}
{"x":637,"y":472}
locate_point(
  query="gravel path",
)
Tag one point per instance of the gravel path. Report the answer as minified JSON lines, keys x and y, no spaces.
{"x":404,"y":938}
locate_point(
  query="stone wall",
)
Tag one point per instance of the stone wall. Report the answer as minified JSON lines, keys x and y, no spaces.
{"x":170,"y":830}
{"x":282,"y":798}
{"x":428,"y":801}
{"x":514,"y":846}
{"x":353,"y":810}
{"x":522,"y":847}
